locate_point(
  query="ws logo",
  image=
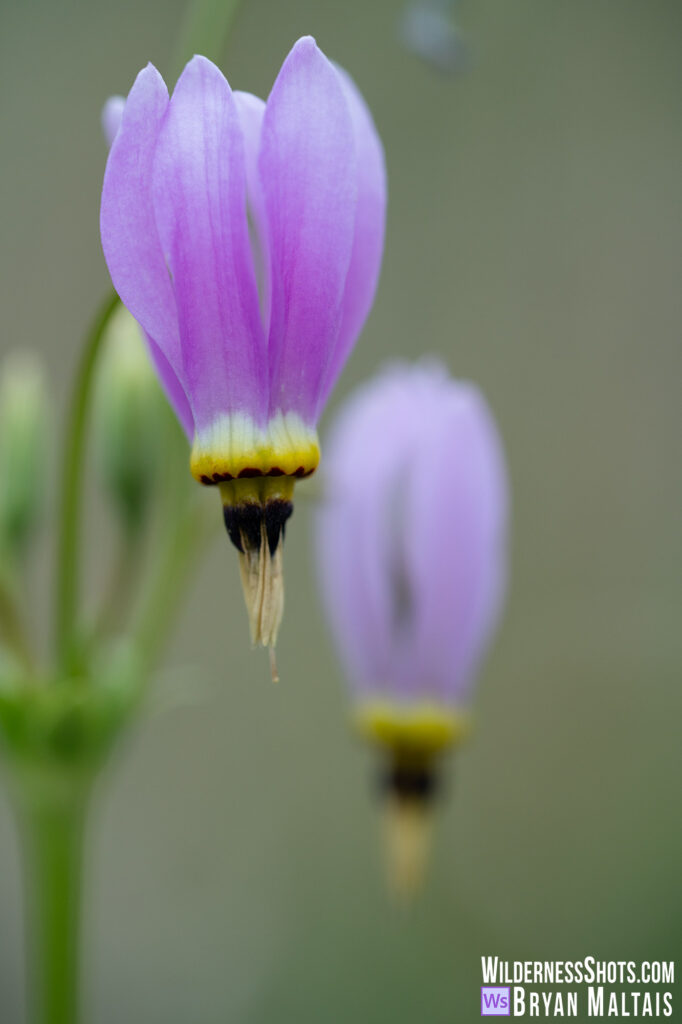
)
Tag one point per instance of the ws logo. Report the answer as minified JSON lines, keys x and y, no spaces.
{"x":495,"y":1002}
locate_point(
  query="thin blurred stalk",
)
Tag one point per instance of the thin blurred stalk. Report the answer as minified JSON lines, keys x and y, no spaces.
{"x":71,"y":481}
{"x":12,"y":628}
{"x":204,"y":30}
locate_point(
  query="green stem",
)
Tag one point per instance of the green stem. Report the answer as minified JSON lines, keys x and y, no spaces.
{"x":71,"y":481}
{"x":53,"y":833}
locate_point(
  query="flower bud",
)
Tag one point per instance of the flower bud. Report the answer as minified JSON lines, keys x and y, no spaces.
{"x":128,"y":419}
{"x":23,"y":438}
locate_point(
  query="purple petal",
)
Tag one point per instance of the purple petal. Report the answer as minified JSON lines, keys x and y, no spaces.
{"x":455,"y":545}
{"x":308,"y":167}
{"x":199,"y":193}
{"x":368,"y":242}
{"x":112,"y":112}
{"x":129,"y":237}
{"x":411,"y":538}
{"x":366,"y":457}
{"x":251,"y":110}
{"x":112,"y":115}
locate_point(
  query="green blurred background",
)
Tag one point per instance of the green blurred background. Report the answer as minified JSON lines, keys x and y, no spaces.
{"x":534,"y":241}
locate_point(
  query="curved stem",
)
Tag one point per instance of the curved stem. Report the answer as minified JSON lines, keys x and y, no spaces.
{"x":72,"y":476}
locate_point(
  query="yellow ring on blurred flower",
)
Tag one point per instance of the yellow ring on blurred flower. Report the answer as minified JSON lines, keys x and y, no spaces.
{"x":425,"y":728}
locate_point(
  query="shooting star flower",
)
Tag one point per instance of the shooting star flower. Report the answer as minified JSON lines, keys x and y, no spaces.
{"x":246,"y":239}
{"x":411,"y":553}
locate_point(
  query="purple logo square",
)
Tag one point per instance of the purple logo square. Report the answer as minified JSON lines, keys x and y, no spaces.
{"x":495,"y":1001}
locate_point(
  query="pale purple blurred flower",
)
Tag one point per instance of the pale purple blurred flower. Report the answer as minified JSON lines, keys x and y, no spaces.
{"x":412,"y":560}
{"x":246,"y":239}
{"x":412,"y":537}
{"x":112,"y":114}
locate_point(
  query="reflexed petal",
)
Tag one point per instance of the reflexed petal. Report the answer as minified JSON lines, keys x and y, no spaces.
{"x":112,"y":115}
{"x":199,"y":191}
{"x":365,"y":460}
{"x":368,"y":242}
{"x":411,"y":538}
{"x":112,"y":112}
{"x":251,"y":110}
{"x":129,"y":236}
{"x":308,"y":169}
{"x":455,"y":544}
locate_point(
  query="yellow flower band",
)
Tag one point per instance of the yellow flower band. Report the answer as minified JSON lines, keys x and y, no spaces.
{"x":234,"y":447}
{"x":422,"y":730}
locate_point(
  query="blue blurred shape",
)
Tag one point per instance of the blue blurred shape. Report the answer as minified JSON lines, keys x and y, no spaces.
{"x":429,"y":30}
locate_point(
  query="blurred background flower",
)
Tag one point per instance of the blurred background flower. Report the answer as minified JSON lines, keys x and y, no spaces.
{"x":112,"y":112}
{"x":411,"y":546}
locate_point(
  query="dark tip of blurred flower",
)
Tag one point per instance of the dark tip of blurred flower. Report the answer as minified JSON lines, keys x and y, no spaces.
{"x":410,"y":780}
{"x":428,"y":29}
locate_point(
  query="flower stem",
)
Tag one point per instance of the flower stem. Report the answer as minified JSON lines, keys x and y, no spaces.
{"x":53,"y":844}
{"x":71,"y":482}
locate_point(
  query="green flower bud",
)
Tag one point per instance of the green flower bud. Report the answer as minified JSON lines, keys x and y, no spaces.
{"x":23,"y":448}
{"x":129,"y":419}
